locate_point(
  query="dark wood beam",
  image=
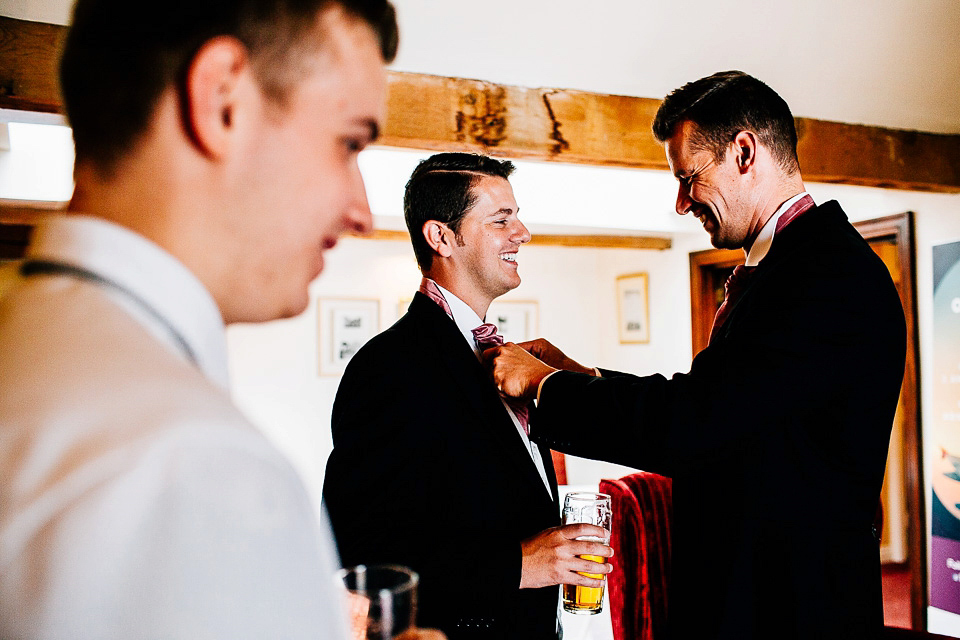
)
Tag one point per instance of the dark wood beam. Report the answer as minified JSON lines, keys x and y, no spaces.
{"x":563,"y":125}
{"x":28,"y":65}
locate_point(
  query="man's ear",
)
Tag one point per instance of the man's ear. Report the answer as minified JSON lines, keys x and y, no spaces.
{"x":745,"y":148}
{"x":211,"y":93}
{"x":439,"y":237}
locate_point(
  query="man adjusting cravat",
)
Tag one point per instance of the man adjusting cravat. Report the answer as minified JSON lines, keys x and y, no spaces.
{"x":776,"y":438}
{"x":425,"y":448}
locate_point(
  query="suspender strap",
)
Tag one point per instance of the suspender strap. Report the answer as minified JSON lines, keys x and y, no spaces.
{"x":51,"y":268}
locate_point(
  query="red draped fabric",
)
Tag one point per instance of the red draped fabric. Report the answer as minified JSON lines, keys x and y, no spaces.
{"x":642,"y":513}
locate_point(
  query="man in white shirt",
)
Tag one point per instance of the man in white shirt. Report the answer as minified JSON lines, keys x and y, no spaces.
{"x":216,"y":148}
{"x":431,"y":468}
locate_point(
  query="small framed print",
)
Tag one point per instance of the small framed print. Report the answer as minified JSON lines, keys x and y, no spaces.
{"x":345,"y":325}
{"x":633,"y":313}
{"x":517,"y":321}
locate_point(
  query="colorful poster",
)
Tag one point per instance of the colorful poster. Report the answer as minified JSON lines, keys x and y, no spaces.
{"x":945,"y":431}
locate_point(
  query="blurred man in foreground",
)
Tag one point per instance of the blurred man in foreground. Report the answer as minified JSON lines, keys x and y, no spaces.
{"x":216,"y":160}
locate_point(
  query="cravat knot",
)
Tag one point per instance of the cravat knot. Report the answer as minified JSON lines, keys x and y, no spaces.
{"x":486,"y":336}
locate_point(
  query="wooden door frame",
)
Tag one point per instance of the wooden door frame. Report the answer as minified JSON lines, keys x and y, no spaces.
{"x":702,"y":306}
{"x":900,"y":229}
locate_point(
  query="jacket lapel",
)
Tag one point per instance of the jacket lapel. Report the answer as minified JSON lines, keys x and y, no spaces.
{"x":784,"y":244}
{"x":439,"y":333}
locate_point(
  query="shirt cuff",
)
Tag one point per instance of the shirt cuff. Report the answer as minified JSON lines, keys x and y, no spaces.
{"x":545,"y":378}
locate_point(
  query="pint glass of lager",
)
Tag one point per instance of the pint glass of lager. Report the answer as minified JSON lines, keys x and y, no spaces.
{"x":589,"y":508}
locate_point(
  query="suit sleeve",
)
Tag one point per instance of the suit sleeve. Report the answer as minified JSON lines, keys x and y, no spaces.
{"x":817,"y":349}
{"x":399,"y":491}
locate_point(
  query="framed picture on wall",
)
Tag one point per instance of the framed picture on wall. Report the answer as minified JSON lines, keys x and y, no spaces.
{"x":633,"y":313}
{"x":344,"y":325}
{"x":517,"y":321}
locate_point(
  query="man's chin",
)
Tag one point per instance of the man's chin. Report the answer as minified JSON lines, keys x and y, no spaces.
{"x":723,"y":242}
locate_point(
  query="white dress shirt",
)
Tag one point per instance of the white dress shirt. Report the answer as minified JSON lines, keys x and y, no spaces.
{"x":135,"y":500}
{"x":467,"y":320}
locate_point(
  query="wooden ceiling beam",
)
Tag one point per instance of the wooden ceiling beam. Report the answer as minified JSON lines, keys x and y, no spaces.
{"x":437,"y":113}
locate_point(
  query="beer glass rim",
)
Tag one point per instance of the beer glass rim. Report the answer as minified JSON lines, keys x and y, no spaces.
{"x":413,"y":578}
{"x":587,"y":495}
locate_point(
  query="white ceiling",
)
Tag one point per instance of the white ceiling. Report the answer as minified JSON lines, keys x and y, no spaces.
{"x":893,"y":63}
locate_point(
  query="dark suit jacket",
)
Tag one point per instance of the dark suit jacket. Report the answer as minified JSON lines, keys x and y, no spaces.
{"x":428,"y":471}
{"x":776,"y":441}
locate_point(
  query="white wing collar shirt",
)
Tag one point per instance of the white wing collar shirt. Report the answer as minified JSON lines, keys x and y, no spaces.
{"x":135,"y":500}
{"x":466,"y":320}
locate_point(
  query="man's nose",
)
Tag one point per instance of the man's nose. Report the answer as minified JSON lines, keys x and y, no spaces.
{"x":684,"y":202}
{"x":521,"y":235}
{"x":359,"y":218}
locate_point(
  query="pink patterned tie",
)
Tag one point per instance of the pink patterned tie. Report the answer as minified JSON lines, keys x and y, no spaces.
{"x":430,"y":289}
{"x":486,"y":336}
{"x":740,"y":277}
{"x":732,"y":289}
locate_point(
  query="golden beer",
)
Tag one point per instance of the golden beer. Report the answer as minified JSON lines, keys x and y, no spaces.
{"x":584,"y":507}
{"x":588,"y":600}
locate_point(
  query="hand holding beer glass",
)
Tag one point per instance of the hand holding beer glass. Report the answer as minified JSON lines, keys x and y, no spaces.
{"x":587,"y":508}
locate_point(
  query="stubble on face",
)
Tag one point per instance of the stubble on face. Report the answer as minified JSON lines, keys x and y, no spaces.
{"x":709,"y":190}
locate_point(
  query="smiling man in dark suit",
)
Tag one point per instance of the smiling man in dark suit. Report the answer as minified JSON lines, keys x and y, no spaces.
{"x":776,"y":439}
{"x":431,"y":467}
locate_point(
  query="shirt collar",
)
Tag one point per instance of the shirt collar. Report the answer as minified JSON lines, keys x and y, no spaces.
{"x":758,"y":251}
{"x":145,"y":270}
{"x":464,"y":316}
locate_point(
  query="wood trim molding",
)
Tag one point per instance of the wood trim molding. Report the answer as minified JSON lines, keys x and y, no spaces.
{"x":559,"y":240}
{"x":22,"y":213}
{"x":438,"y":113}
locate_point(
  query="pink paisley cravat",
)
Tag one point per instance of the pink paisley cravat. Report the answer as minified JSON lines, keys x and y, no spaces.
{"x":486,"y":336}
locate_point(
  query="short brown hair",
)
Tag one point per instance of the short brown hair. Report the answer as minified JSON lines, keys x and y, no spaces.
{"x":724,"y":104}
{"x":121,"y":55}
